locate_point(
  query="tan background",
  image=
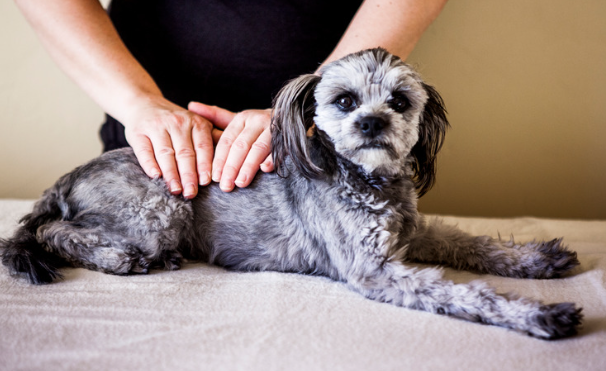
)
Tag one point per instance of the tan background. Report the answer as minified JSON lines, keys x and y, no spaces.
{"x":524,"y":83}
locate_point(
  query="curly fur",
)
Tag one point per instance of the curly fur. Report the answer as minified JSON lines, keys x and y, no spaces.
{"x":342,"y":204}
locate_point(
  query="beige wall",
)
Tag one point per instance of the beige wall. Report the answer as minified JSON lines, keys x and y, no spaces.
{"x":524,"y":83}
{"x":47,"y":125}
{"x":525,"y":86}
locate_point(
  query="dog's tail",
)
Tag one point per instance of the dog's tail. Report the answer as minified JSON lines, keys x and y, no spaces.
{"x":24,"y":255}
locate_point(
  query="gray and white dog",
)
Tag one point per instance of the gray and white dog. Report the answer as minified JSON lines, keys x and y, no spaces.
{"x":342,"y":204}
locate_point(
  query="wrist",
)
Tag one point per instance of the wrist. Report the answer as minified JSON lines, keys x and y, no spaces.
{"x":137,"y":103}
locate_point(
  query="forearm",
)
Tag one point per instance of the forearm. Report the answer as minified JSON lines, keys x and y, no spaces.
{"x":396,"y":25}
{"x":82,"y":40}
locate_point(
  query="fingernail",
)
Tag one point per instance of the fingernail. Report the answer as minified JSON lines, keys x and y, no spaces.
{"x":241,"y":181}
{"x":204,"y":178}
{"x":226,"y":185}
{"x":217,"y":176}
{"x":189,"y":191}
{"x":175,"y":187}
{"x":155,"y":174}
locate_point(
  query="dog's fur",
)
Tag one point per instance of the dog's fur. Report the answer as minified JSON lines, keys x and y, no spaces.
{"x":342,"y":204}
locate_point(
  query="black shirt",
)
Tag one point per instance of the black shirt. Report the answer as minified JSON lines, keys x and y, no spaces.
{"x":235,"y":54}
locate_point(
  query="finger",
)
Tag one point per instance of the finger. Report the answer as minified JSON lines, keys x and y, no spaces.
{"x":144,"y":152}
{"x":165,"y":156}
{"x":238,"y":152}
{"x":224,"y":145}
{"x":219,"y":117}
{"x":203,"y":145}
{"x":216,"y":134}
{"x":268,"y":165}
{"x":258,"y":153}
{"x":185,"y":157}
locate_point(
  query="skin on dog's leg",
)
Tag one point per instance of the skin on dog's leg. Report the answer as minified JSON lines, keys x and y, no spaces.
{"x":394,"y":283}
{"x":436,"y":242}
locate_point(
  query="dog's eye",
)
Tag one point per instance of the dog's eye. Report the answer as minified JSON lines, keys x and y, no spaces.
{"x":345,"y":103}
{"x":398,"y":103}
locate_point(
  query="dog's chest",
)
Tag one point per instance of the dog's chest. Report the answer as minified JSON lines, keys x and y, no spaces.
{"x":371,"y":222}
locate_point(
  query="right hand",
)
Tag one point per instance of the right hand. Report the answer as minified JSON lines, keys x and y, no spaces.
{"x":172,"y":142}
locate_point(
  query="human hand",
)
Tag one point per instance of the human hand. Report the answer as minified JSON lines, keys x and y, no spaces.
{"x":172,"y":142}
{"x":244,"y":145}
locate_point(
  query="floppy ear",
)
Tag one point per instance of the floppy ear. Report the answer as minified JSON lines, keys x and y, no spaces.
{"x":432,"y":129}
{"x":293,"y":115}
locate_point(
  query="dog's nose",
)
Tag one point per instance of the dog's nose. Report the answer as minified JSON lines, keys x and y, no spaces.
{"x":371,"y":126}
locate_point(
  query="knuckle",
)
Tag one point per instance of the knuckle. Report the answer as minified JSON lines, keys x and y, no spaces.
{"x":148,"y":163}
{"x":226,"y":140}
{"x":187,"y":176}
{"x":241,"y":145}
{"x":185,"y":153}
{"x":200,"y":123}
{"x":165,"y":151}
{"x":177,"y":121}
{"x":242,"y":114}
{"x":203,"y":146}
{"x":144,"y":153}
{"x":258,"y":119}
{"x":261,"y":146}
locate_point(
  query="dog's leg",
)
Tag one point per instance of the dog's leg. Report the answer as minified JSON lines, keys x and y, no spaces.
{"x":101,"y":248}
{"x":443,"y":244}
{"x":424,"y":290}
{"x":93,"y":248}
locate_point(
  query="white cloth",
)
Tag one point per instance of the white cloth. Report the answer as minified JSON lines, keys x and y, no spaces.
{"x":206,"y":318}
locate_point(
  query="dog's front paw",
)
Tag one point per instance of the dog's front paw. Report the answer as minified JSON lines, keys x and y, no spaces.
{"x":548,"y":259}
{"x":555,"y":321}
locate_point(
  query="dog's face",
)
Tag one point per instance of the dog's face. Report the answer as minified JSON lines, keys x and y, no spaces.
{"x":370,"y":105}
{"x":372,"y":108}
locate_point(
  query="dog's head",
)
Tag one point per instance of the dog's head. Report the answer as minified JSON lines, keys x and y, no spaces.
{"x":371,"y":109}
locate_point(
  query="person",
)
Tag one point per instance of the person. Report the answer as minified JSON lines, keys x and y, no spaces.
{"x":171,"y":74}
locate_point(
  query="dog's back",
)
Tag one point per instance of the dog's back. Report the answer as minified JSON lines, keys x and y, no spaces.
{"x":107,"y":215}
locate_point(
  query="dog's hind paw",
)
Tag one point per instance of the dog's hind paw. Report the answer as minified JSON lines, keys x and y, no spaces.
{"x":555,"y":321}
{"x":137,"y":262}
{"x":118,"y":261}
{"x":169,"y":260}
{"x":140,"y":266}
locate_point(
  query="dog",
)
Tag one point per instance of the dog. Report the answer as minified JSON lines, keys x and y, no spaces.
{"x":354,"y":147}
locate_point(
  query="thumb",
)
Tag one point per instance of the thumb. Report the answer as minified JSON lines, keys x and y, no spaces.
{"x":218,"y":116}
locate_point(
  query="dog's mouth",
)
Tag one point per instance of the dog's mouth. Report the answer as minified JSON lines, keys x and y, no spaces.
{"x":380,"y":146}
{"x":374,"y":145}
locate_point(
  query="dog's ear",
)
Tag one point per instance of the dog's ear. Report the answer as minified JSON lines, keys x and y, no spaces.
{"x":432,"y":129}
{"x":293,"y":115}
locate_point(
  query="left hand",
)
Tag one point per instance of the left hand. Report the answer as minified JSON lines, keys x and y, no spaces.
{"x":243,"y":147}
